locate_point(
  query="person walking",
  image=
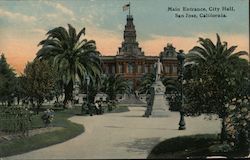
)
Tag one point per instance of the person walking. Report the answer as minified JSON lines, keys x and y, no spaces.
{"x":97,"y":107}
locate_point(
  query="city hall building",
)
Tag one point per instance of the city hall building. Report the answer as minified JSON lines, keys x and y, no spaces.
{"x":131,"y":61}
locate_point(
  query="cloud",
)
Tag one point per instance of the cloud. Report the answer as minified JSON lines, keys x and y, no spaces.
{"x":18,"y":51}
{"x":156,"y":44}
{"x":64,"y":9}
{"x":91,"y":18}
{"x":60,"y":7}
{"x":39,"y":30}
{"x":107,"y":42}
{"x":19,"y":48}
{"x":120,"y":27}
{"x":51,"y":15}
{"x":17,"y":16}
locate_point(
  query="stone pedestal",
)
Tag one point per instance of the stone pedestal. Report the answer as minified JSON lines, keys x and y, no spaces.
{"x":160,"y":106}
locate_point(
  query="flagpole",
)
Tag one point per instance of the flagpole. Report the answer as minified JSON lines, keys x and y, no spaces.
{"x":129,"y":9}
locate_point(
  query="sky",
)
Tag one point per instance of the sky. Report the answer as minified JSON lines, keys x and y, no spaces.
{"x":24,"y":23}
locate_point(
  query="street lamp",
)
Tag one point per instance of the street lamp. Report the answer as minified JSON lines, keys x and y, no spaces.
{"x":87,"y":80}
{"x":181,"y":58}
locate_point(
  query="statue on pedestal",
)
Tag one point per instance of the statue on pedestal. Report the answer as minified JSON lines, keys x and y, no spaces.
{"x":157,"y":105}
{"x":158,"y":70}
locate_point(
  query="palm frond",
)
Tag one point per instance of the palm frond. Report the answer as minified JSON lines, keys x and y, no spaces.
{"x":59,"y":33}
{"x":82,"y":32}
{"x":227,"y":53}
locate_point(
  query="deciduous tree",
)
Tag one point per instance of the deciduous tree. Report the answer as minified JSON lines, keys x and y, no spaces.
{"x":39,"y":81}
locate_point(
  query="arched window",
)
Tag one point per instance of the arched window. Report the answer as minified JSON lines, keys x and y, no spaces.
{"x":145,"y":69}
{"x":152,"y":68}
{"x":120,"y":68}
{"x":107,"y":69}
{"x":139,"y":68}
{"x":174,"y":69}
{"x":113,"y":69}
{"x":130,"y":68}
{"x":167,"y":69}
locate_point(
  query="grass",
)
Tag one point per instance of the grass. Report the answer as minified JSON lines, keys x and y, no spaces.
{"x":194,"y":146}
{"x":119,"y":109}
{"x":18,"y":146}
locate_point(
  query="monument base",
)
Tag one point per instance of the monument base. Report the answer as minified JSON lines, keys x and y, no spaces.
{"x":160,"y":106}
{"x":160,"y":109}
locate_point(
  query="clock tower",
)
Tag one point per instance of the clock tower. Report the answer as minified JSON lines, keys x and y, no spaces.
{"x":129,"y":45}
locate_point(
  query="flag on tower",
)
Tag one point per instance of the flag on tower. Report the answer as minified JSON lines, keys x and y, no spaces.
{"x":126,"y":7}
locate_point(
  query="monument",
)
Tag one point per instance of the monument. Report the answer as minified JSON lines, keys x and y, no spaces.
{"x":157,"y":103}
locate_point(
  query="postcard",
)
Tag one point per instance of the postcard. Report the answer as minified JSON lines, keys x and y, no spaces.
{"x":124,"y":79}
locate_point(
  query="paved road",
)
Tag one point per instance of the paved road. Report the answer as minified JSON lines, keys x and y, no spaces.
{"x":121,"y":135}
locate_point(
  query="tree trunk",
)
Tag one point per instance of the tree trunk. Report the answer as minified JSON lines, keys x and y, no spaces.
{"x":57,"y":99}
{"x":39,"y":104}
{"x":68,"y":92}
{"x":18,"y":100}
{"x":223,"y":130}
{"x":9,"y":103}
{"x":32,"y":104}
{"x":37,"y":108}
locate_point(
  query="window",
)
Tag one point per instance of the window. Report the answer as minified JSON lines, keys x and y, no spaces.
{"x":120,"y":67}
{"x":152,"y":68}
{"x":130,"y":68}
{"x":113,"y":69}
{"x":107,"y":69}
{"x":146,"y":69}
{"x":110,"y":69}
{"x":174,"y":69}
{"x":139,"y":69}
{"x":167,"y":69}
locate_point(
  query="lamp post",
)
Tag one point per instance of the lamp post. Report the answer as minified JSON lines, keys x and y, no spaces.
{"x":87,"y":80}
{"x":181,"y":58}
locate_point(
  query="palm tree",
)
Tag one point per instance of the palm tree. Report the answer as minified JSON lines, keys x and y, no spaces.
{"x":74,"y":58}
{"x":171,"y":84}
{"x":172,"y":92}
{"x":210,"y":52}
{"x":148,"y":79}
{"x":146,"y":82}
{"x":113,"y":85}
{"x":213,"y":71}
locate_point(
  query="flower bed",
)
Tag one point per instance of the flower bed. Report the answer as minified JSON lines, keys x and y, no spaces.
{"x":15,"y":119}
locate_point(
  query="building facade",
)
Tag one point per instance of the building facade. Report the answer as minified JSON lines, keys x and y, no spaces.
{"x":131,"y":62}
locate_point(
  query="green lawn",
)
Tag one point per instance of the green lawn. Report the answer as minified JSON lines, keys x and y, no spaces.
{"x":119,"y":109}
{"x":26,"y":144}
{"x":194,"y":146}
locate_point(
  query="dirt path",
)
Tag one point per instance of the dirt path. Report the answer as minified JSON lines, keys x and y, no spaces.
{"x":121,"y":135}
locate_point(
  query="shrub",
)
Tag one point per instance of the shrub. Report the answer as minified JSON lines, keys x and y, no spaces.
{"x":174,"y":102}
{"x":238,"y":124}
{"x":111,"y":104}
{"x":48,"y":117}
{"x":15,"y":119}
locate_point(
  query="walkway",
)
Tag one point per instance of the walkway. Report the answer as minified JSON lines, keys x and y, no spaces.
{"x":121,"y":135}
